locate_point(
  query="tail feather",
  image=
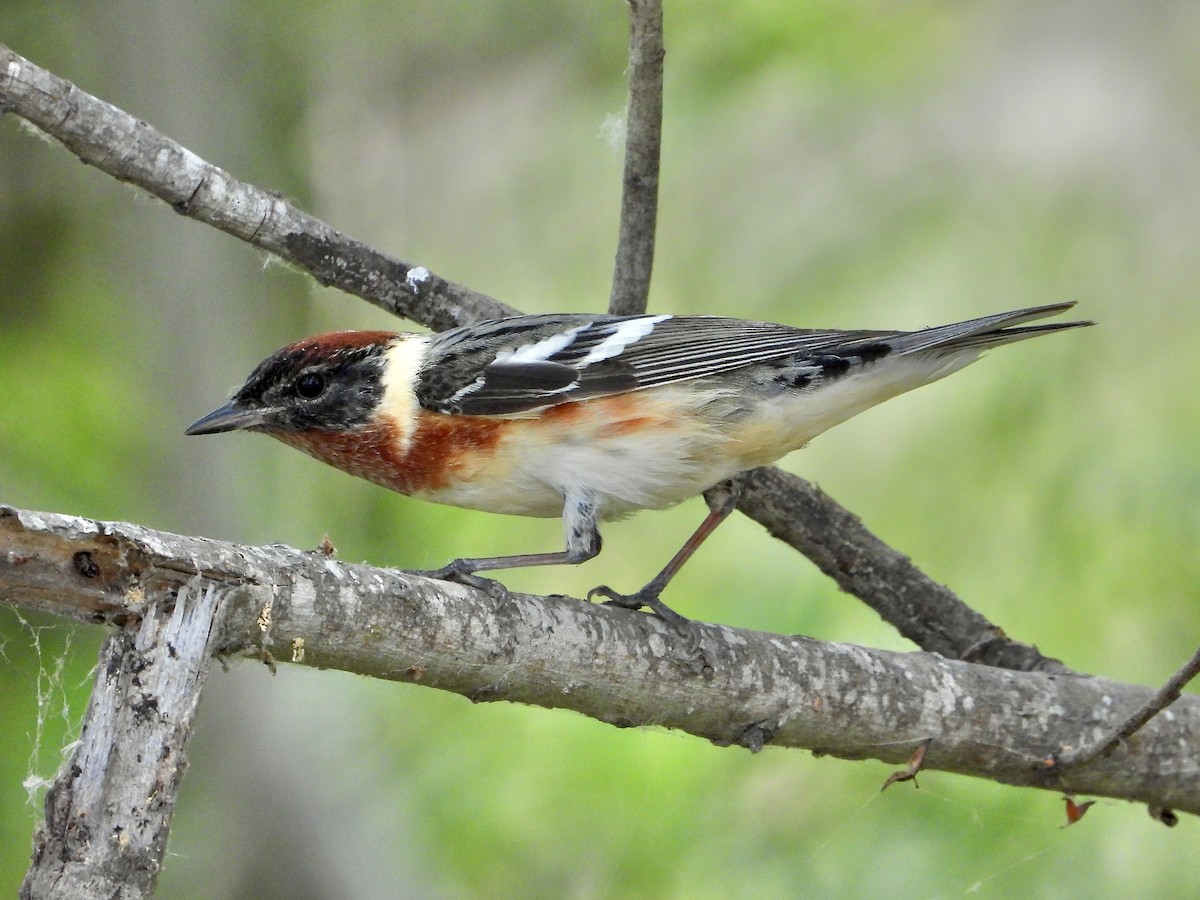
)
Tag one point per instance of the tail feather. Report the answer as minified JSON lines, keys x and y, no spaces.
{"x":987,"y":331}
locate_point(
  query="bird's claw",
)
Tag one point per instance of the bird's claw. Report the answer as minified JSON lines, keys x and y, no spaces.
{"x":641,"y":599}
{"x":683,"y":626}
{"x":456,"y":574}
{"x":613,"y":598}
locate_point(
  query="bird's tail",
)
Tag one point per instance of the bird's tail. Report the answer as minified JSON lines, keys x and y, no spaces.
{"x":984,"y":332}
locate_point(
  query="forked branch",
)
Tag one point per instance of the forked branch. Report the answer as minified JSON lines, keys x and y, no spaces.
{"x":132,"y":151}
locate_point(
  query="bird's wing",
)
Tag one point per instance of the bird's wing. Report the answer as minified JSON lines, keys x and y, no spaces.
{"x":525,"y":363}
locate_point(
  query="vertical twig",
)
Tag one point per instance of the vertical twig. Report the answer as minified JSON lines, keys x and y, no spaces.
{"x":643,"y":141}
{"x":109,"y":811}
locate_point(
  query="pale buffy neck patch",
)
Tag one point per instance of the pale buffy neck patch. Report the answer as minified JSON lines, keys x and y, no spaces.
{"x":399,"y":402}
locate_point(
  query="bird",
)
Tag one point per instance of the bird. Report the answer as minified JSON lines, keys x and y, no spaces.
{"x":588,"y":417}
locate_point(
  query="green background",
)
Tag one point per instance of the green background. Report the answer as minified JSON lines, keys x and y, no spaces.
{"x":825,"y":164}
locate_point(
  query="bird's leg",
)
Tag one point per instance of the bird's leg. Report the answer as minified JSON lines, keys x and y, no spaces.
{"x":583,"y":543}
{"x":721,"y":499}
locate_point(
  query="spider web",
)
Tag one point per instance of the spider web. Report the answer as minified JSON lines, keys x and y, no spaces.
{"x":53,"y":724}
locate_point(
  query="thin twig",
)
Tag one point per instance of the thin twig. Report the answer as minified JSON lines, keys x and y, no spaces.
{"x":643,"y":143}
{"x":1155,"y":703}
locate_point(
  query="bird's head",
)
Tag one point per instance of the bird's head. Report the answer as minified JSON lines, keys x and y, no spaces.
{"x":329,"y":383}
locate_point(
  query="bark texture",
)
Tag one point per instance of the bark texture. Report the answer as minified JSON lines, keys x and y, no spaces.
{"x":621,"y":667}
{"x":108,"y":813}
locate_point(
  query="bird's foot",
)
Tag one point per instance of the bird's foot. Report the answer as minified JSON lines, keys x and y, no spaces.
{"x":457,"y":573}
{"x":647,"y":598}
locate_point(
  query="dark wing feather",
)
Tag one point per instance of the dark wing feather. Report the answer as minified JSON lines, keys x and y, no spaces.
{"x":510,"y":366}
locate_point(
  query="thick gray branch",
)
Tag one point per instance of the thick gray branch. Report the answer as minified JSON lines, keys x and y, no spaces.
{"x":130,"y":150}
{"x":643,"y":141}
{"x":618,"y":666}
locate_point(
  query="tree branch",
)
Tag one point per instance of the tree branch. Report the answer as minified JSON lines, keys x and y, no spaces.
{"x":927,"y":613}
{"x":614,"y":665}
{"x":109,"y":812}
{"x":643,"y":141}
{"x":129,"y":150}
{"x":1165,"y":696}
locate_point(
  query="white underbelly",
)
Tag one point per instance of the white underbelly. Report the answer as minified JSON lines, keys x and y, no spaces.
{"x":773,"y":430}
{"x":629,"y":452}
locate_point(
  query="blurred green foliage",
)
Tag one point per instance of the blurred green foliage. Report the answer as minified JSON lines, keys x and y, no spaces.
{"x":859,"y":164}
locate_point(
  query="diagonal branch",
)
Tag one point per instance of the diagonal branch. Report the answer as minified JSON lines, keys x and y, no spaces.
{"x":130,"y":150}
{"x":927,"y":613}
{"x":643,"y":142}
{"x":615,"y":665}
{"x":793,"y":510}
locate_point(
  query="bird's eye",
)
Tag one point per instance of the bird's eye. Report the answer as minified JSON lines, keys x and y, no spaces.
{"x":310,"y":386}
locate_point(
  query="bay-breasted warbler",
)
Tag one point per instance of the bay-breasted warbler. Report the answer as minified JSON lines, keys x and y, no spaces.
{"x":588,"y":417}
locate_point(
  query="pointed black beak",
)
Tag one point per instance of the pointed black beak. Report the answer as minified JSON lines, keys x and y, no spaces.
{"x":229,"y":417}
